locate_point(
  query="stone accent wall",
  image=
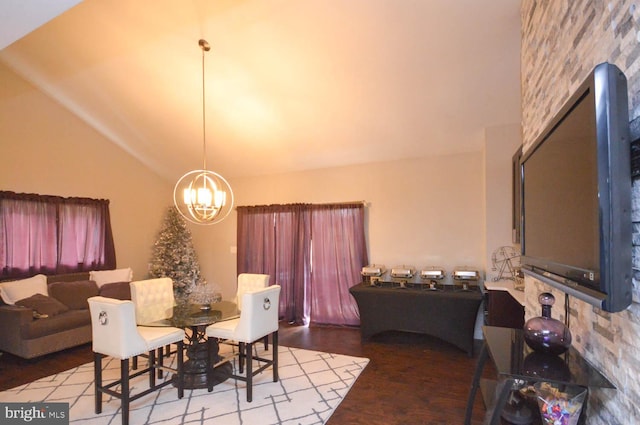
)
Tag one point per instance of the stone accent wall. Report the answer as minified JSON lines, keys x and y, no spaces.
{"x":562,"y":41}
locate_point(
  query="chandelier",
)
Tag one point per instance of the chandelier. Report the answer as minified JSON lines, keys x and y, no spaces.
{"x":203,"y":196}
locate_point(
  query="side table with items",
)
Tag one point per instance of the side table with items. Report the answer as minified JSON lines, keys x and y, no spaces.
{"x":446,"y":312}
{"x":510,"y":398}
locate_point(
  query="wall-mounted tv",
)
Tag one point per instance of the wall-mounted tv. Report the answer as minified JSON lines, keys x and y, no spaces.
{"x":576,"y":195}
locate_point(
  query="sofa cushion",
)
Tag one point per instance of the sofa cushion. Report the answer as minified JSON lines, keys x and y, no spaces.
{"x":43,"y":304}
{"x":20,"y":289}
{"x":74,"y":294}
{"x":102,"y":277}
{"x":117,"y":290}
{"x":71,"y":319}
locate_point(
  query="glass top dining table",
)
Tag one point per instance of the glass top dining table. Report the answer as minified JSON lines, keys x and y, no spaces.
{"x":201,"y":356}
{"x":187,"y":315}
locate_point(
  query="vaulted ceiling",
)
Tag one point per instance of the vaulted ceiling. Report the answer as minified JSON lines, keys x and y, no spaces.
{"x":290,"y":84}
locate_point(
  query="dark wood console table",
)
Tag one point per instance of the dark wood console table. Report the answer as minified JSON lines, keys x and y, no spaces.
{"x":503,"y":310}
{"x":515,"y":361}
{"x":449,"y":314}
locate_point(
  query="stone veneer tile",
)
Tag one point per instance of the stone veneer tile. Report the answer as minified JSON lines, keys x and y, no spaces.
{"x":635,"y":204}
{"x":625,"y":25}
{"x":635,"y":228}
{"x":604,"y":329}
{"x":562,"y":40}
{"x":633,"y":56}
{"x":585,"y":27}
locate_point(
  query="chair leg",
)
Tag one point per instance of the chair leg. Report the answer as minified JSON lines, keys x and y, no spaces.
{"x":249,"y":359}
{"x":266,"y":343}
{"x":210,"y":348}
{"x":124,"y":377}
{"x":134,"y":362}
{"x":153,"y":362}
{"x":180,"y":367}
{"x":160,"y":361}
{"x":97,"y":379}
{"x":241,"y":356}
{"x":274,"y":366}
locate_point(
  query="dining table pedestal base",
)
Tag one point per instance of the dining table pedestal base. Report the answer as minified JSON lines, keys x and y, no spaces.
{"x":200,"y":360}
{"x":201,"y":354}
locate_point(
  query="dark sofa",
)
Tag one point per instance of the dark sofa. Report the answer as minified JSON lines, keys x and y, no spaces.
{"x":40,"y":325}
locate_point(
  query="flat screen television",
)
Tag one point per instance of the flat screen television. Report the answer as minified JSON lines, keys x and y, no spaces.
{"x":576,"y":195}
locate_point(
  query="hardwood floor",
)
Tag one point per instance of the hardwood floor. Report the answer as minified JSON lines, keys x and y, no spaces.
{"x":410,"y":379}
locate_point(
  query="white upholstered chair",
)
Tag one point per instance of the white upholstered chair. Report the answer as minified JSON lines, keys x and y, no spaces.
{"x":248,"y":282}
{"x":258,"y":318}
{"x":115,"y":334}
{"x":153,"y":300}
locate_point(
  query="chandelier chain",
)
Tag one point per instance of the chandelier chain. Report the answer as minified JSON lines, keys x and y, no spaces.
{"x":202,"y":196}
{"x":205,"y":47}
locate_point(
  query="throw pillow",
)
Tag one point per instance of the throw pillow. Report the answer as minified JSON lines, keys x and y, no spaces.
{"x":102,"y":277}
{"x":74,"y":294}
{"x":24,"y":288}
{"x":43,"y":304}
{"x":117,"y":290}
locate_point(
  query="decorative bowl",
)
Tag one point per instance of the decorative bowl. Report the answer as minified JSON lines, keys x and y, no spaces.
{"x":560,"y":404}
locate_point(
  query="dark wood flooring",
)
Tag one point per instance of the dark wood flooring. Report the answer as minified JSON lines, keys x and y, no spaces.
{"x":410,"y":379}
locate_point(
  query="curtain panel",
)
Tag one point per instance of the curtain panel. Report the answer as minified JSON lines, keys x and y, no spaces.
{"x":339,"y":253}
{"x":52,"y":234}
{"x":275,"y":240}
{"x":315,"y":252}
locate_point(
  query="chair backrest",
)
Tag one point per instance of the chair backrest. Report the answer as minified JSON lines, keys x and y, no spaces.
{"x":249,"y":282}
{"x":260,"y":314}
{"x":113,"y":328}
{"x":153,"y":299}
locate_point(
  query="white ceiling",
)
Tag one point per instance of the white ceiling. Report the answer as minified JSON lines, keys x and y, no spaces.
{"x":20,"y":17}
{"x":291,"y":84}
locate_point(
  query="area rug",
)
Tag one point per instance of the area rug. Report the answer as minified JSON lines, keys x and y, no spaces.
{"x":312,"y":384}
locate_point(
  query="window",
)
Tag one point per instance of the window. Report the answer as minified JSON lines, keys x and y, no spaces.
{"x":315,"y":252}
{"x":52,"y":234}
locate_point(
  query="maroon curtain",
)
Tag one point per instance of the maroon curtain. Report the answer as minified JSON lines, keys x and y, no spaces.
{"x":339,"y":253}
{"x":274,"y":239}
{"x":277,"y":240}
{"x":28,"y":234}
{"x":85,"y":239}
{"x":52,"y":234}
{"x":292,"y":253}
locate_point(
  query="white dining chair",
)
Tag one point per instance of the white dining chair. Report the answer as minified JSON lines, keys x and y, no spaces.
{"x":248,"y":282}
{"x":153,"y":300}
{"x":258,"y":318}
{"x":115,"y":334}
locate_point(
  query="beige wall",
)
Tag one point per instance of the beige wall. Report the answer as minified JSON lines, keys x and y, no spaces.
{"x":47,"y":150}
{"x":420,"y":212}
{"x":427,"y":211}
{"x":501,"y":143}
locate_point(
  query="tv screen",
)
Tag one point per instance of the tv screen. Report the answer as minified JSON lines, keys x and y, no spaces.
{"x":576,"y":195}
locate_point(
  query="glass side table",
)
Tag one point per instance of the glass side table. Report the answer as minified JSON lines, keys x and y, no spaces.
{"x":515,"y":362}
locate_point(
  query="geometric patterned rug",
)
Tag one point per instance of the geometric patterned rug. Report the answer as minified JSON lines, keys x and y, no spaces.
{"x":311,"y":385}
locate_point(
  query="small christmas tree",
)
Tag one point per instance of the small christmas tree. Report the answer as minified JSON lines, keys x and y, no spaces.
{"x":174,"y":255}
